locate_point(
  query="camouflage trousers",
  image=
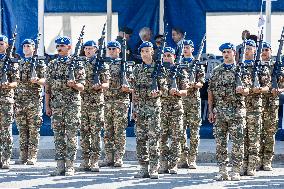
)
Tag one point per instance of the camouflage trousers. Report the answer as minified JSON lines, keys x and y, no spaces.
{"x":192,"y":119}
{"x":65,"y":124}
{"x":6,"y":120}
{"x":148,"y":133}
{"x":116,"y":111}
{"x":269,"y":129}
{"x":171,"y":128}
{"x":28,"y":118}
{"x":92,"y":123}
{"x":252,"y":139}
{"x":227,"y":123}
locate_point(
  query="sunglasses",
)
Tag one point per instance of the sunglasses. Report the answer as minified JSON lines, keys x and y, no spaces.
{"x":60,"y":46}
{"x":111,"y":48}
{"x":265,"y":50}
{"x":167,"y":55}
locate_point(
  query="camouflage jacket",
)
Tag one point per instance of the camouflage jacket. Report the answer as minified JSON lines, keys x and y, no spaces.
{"x":26,"y":90}
{"x":114,"y":91}
{"x":223,"y":86}
{"x":12,"y":71}
{"x":102,"y":70}
{"x":56,"y":80}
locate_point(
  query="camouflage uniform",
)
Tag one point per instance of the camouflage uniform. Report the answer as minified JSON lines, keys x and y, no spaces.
{"x":253,"y":119}
{"x":28,"y":103}
{"x":229,"y":108}
{"x":116,"y":111}
{"x":65,"y":103}
{"x":92,"y":113}
{"x":7,"y":112}
{"x":172,"y":121}
{"x":148,"y":111}
{"x":270,"y":105}
{"x":192,"y":118}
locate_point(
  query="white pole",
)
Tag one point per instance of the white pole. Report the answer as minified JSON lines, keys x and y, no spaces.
{"x":1,"y":17}
{"x":268,"y":21}
{"x":161,"y":16}
{"x":109,"y":19}
{"x":41,"y":26}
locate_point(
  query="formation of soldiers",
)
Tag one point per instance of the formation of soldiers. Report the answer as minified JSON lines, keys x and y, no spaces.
{"x":94,"y":92}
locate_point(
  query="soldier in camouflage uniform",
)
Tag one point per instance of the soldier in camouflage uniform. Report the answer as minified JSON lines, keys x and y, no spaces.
{"x":116,"y":109}
{"x":172,"y":112}
{"x":63,"y":102}
{"x":147,"y":109}
{"x":270,"y":105}
{"x":253,"y":110}
{"x":227,"y":112}
{"x":28,"y":103}
{"x":192,"y":110}
{"x":93,"y":107}
{"x":9,"y":71}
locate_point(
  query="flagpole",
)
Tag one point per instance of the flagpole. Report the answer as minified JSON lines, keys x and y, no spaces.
{"x":268,"y":21}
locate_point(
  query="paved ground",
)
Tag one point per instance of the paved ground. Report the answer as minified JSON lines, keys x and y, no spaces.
{"x":23,"y":176}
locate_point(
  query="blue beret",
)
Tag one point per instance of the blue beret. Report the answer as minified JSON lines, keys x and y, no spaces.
{"x":227,"y":46}
{"x":114,"y":44}
{"x":4,"y":38}
{"x":266,"y":45}
{"x":63,"y":40}
{"x":250,"y":42}
{"x":28,"y":41}
{"x":169,"y":50}
{"x":91,"y":43}
{"x":188,"y":42}
{"x":145,"y":44}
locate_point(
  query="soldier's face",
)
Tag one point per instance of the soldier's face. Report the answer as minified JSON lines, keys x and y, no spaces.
{"x":90,"y":51}
{"x":113,"y":52}
{"x":63,"y":50}
{"x":176,"y":36}
{"x":187,"y":50}
{"x":146,"y":53}
{"x":266,"y":54}
{"x":169,"y":57}
{"x":3,"y":47}
{"x":28,"y":49}
{"x":229,"y":55}
{"x":249,"y":54}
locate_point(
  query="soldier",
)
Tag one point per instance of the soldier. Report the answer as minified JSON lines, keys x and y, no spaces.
{"x":177,"y":35}
{"x":93,"y":107}
{"x":269,"y":114}
{"x":192,"y":110}
{"x":116,"y":110}
{"x":28,"y":103}
{"x":147,"y":109}
{"x":9,"y":76}
{"x":227,"y":110}
{"x":172,"y":112}
{"x":253,"y":110}
{"x":63,"y":102}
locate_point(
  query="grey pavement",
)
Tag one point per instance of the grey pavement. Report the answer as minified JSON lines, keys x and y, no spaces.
{"x":37,"y":176}
{"x":206,"y":149}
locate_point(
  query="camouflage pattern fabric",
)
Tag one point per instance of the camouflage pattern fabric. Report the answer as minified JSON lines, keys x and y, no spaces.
{"x":66,"y":106}
{"x":28,"y":105}
{"x":230,"y":111}
{"x":92,"y":111}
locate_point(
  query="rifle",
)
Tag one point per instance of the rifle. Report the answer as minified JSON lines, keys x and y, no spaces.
{"x":36,"y":57}
{"x":123,"y":78}
{"x":9,"y":58}
{"x":159,"y":69}
{"x":71,"y":74}
{"x":100,"y":57}
{"x":196,"y":62}
{"x":176,"y":70}
{"x":257,"y":61}
{"x":241,"y":65}
{"x":277,"y":65}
